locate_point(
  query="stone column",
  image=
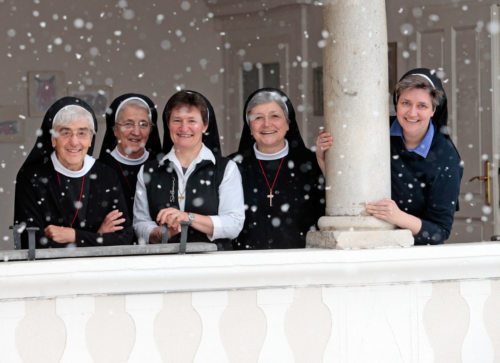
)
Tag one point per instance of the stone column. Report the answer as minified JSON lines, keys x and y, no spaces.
{"x":355,"y":74}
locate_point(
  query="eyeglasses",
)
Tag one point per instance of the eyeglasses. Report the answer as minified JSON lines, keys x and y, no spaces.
{"x":129,"y":125}
{"x":81,"y":134}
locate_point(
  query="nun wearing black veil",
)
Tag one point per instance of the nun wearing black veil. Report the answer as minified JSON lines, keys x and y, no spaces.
{"x":192,"y":183}
{"x":282,"y":182}
{"x":130,"y":140}
{"x":66,"y":193}
{"x":426,"y":167}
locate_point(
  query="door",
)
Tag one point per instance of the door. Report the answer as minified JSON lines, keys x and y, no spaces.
{"x":460,"y":42}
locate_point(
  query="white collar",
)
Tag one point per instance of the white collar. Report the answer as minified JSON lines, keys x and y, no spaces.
{"x":278,"y":155}
{"x":88,"y":163}
{"x":204,"y":154}
{"x":129,"y":161}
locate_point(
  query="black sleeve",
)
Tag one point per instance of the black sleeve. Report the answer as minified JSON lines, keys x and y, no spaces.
{"x":111,"y":197}
{"x":27,"y":209}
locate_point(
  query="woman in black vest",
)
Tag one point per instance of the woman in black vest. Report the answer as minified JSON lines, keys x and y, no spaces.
{"x":192,"y":183}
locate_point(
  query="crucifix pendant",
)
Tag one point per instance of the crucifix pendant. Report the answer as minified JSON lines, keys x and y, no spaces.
{"x":180,"y":197}
{"x":270,"y":196}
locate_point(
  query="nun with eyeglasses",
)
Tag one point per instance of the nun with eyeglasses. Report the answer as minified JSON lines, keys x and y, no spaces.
{"x":130,"y":140}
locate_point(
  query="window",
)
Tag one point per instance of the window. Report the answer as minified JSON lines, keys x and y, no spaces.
{"x":258,"y":75}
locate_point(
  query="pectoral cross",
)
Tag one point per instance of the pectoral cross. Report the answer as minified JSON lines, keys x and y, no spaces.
{"x":270,"y":196}
{"x":180,"y":197}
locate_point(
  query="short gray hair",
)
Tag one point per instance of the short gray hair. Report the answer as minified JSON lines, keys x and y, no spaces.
{"x":134,"y":102}
{"x":68,"y":114}
{"x":265,"y":97}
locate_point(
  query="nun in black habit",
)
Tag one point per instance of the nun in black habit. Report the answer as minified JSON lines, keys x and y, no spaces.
{"x":282,"y":182}
{"x":193,"y":182}
{"x":130,"y":140}
{"x":71,"y":197}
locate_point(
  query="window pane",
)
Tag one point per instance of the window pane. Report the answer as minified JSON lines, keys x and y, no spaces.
{"x":271,"y":75}
{"x":250,"y":81}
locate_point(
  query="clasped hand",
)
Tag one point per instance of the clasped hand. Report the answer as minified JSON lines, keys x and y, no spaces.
{"x":172,"y":217}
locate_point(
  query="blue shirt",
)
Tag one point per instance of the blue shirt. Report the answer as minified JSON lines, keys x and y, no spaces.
{"x":425,"y":145}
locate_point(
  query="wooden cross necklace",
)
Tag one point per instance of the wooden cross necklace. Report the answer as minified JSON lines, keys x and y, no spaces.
{"x":271,"y":187}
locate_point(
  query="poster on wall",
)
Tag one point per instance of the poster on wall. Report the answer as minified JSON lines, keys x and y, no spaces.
{"x":11,"y":124}
{"x":98,"y":97}
{"x":44,"y":88}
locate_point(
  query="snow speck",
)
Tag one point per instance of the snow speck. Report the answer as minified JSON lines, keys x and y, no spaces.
{"x":406,"y":29}
{"x":493,"y":27}
{"x":276,"y":222}
{"x":285,"y":207}
{"x":165,"y":44}
{"x":417,"y":12}
{"x":198,"y":202}
{"x":486,"y":209}
{"x":139,"y":54}
{"x":160,"y":18}
{"x":128,"y":14}
{"x":434,"y":18}
{"x":11,"y":33}
{"x":78,"y":23}
{"x":185,"y":5}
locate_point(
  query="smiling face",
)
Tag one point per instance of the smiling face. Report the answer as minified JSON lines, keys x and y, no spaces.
{"x":132,"y":131}
{"x":186,"y":127}
{"x":414,"y":111}
{"x":71,"y":143}
{"x":268,"y":126}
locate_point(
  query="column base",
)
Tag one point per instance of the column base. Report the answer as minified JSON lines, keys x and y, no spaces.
{"x":349,"y":239}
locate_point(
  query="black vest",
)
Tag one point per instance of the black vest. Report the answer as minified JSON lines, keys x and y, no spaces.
{"x":201,"y":193}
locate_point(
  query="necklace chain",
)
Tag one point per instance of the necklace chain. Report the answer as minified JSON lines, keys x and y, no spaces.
{"x":271,"y":187}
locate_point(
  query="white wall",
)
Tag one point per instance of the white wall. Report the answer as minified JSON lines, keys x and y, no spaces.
{"x":417,"y":304}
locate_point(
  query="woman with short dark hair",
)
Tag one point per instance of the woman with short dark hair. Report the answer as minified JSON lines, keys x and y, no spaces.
{"x":426,"y":168}
{"x":192,"y":183}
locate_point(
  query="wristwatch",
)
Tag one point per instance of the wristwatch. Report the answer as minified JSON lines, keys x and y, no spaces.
{"x":191,"y":218}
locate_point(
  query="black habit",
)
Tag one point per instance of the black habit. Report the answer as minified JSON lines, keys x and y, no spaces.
{"x":44,"y":196}
{"x":128,"y":173}
{"x":299,"y":197}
